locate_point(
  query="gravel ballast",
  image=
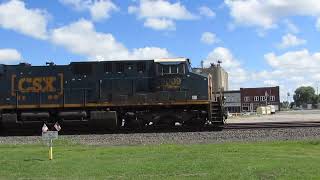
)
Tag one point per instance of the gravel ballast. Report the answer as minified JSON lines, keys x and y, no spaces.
{"x":311,"y":133}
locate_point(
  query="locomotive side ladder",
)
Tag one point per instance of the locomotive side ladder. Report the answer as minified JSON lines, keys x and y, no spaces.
{"x":217,"y":110}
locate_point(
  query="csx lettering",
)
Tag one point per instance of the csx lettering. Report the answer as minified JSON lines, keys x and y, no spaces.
{"x":37,"y":84}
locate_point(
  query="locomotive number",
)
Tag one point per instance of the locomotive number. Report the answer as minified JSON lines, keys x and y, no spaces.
{"x":171,"y":83}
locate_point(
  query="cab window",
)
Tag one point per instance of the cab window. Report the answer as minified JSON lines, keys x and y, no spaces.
{"x":181,"y":69}
{"x":165,"y":69}
{"x":172,"y":69}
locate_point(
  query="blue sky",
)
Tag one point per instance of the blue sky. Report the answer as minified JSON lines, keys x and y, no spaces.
{"x":260,"y":42}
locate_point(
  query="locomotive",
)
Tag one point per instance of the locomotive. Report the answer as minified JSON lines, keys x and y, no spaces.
{"x":108,"y":95}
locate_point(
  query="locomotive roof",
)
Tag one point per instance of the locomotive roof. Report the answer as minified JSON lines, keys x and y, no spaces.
{"x":171,"y":60}
{"x":159,"y":60}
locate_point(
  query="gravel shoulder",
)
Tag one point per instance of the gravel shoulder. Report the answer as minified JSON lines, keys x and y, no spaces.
{"x":282,"y":116}
{"x":312,"y":133}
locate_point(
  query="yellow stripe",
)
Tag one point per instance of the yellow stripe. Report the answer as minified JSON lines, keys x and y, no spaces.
{"x":31,"y":106}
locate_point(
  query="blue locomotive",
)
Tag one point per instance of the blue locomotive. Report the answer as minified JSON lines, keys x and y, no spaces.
{"x":107,"y":95}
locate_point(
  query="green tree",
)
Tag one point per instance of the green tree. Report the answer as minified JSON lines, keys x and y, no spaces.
{"x":305,"y":95}
{"x":316,"y":99}
{"x":285,"y":104}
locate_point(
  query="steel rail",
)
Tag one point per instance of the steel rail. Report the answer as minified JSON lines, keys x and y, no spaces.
{"x":265,"y":125}
{"x":228,"y":126}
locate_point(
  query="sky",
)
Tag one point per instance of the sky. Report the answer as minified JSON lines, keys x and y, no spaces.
{"x":260,"y":42}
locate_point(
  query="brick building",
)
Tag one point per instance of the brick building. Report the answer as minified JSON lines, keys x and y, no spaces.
{"x":251,"y":98}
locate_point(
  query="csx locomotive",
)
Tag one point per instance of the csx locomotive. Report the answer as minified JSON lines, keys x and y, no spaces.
{"x":107,"y":95}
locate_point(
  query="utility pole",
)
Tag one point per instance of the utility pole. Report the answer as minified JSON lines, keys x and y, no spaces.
{"x":288,"y":95}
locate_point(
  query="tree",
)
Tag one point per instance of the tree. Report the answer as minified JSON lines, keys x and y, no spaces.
{"x":291,"y":105}
{"x":285,"y":104}
{"x":305,"y":95}
{"x":315,"y":99}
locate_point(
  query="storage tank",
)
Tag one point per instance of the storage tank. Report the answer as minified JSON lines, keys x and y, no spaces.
{"x":268,"y":110}
{"x":272,"y":109}
{"x":261,"y":110}
{"x":219,"y":76}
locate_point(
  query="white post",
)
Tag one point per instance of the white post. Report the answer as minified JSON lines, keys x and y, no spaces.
{"x":50,"y":150}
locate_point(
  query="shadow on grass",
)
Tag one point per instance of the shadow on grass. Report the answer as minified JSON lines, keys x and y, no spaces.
{"x":33,"y":159}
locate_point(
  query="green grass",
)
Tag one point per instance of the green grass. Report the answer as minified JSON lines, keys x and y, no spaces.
{"x":276,"y":160}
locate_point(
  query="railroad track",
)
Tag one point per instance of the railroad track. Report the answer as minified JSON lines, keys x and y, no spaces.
{"x":264,"y":125}
{"x":228,"y":126}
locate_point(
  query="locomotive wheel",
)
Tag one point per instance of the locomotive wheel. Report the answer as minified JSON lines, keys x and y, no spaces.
{"x":195,"y":122}
{"x":134,"y":123}
{"x":168,"y":120}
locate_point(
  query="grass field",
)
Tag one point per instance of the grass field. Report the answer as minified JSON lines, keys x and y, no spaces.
{"x":284,"y":160}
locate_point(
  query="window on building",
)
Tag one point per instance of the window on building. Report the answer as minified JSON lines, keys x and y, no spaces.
{"x":256,"y":98}
{"x":263,"y":98}
{"x":245,"y":107}
{"x":272,"y":98}
{"x":246,"y":99}
{"x":255,"y":106}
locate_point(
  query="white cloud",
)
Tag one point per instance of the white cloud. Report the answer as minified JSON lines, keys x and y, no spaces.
{"x":295,"y":61}
{"x":290,"y":40}
{"x":271,"y":82}
{"x":9,"y":56}
{"x":237,"y":75}
{"x":288,"y":70}
{"x":102,"y":9}
{"x":81,"y":38}
{"x":160,"y":24}
{"x":148,"y":53}
{"x":266,"y":13}
{"x":160,"y":14}
{"x":99,"y":9}
{"x":318,"y":24}
{"x":291,"y":69}
{"x":205,"y":11}
{"x":292,"y":28}
{"x":15,"y":16}
{"x":77,"y":4}
{"x":209,"y":38}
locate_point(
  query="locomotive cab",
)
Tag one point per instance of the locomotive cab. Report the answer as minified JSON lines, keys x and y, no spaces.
{"x":170,"y":74}
{"x":165,"y":67}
